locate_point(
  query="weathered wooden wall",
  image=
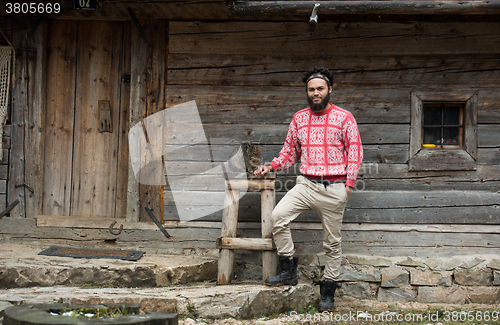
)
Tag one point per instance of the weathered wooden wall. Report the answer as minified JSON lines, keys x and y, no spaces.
{"x":246,"y":80}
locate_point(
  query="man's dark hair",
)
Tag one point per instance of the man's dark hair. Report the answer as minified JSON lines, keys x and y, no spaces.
{"x":316,"y":69}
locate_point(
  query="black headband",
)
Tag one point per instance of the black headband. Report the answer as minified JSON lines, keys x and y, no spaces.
{"x":318,"y":75}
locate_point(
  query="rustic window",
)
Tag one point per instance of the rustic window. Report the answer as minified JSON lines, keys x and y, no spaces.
{"x":443,"y":125}
{"x":443,"y":131}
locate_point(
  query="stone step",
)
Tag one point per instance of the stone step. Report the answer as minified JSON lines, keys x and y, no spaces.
{"x":202,"y":300}
{"x":21,"y":266}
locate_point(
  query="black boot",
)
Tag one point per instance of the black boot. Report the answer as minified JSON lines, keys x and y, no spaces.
{"x":327,"y":289}
{"x":287,"y":273}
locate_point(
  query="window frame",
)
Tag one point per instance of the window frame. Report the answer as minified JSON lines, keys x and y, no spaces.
{"x":435,"y":159}
{"x":442,"y":126}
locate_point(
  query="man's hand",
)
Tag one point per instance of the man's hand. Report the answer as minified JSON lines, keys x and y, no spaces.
{"x":262,"y":170}
{"x":348,"y":190}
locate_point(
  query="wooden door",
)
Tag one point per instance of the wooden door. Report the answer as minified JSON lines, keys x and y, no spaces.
{"x":86,"y":153}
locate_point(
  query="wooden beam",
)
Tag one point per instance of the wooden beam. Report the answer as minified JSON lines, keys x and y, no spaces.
{"x":255,"y":244}
{"x":103,"y":223}
{"x":421,"y":7}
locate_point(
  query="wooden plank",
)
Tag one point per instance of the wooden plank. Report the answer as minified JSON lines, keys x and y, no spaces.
{"x":264,"y":69}
{"x":416,"y":124}
{"x":370,"y":133}
{"x":20,"y":104}
{"x":4,"y":170}
{"x":425,"y":184}
{"x":488,"y":106}
{"x":151,"y":71}
{"x":95,"y":153}
{"x":104,"y":223}
{"x":377,"y":176}
{"x":488,"y":135}
{"x":428,"y":159}
{"x":122,"y":176}
{"x":388,"y":239}
{"x":360,"y":38}
{"x":255,"y":244}
{"x":489,"y":156}
{"x":35,"y":124}
{"x":137,"y":106}
{"x":449,"y":215}
{"x":390,"y":171}
{"x":3,"y":201}
{"x":453,"y":207}
{"x":61,"y":78}
{"x":470,"y":126}
{"x":412,"y":242}
{"x":390,"y":153}
{"x":229,"y":104}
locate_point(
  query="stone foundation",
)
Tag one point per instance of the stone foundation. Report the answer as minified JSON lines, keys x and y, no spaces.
{"x":458,"y":280}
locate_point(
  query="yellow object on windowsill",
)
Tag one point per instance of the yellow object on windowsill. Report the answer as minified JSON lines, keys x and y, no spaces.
{"x":429,"y":146}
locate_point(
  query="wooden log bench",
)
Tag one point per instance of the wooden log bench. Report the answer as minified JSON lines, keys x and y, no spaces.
{"x":228,"y":242}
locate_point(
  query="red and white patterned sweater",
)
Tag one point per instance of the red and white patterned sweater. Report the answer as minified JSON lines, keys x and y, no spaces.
{"x":327,"y":143}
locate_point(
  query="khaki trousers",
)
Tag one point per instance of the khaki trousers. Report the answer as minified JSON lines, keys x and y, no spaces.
{"x":329,"y":203}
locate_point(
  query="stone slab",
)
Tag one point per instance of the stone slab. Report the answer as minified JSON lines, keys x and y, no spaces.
{"x":494,"y":264}
{"x":485,"y":295}
{"x":430,"y":278}
{"x":449,"y":264}
{"x":394,"y":277}
{"x":396,"y":294}
{"x":472,"y":263}
{"x":496,"y":278}
{"x":205,"y":301}
{"x":433,"y":263}
{"x":438,"y":294}
{"x":364,"y":273}
{"x":412,"y":262}
{"x":21,"y":266}
{"x":359,"y":290}
{"x":370,"y":261}
{"x":474,"y":277}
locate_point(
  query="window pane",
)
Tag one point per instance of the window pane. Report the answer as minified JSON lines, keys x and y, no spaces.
{"x":451,"y":136}
{"x":451,"y":116}
{"x":432,"y":136}
{"x":432,"y":115}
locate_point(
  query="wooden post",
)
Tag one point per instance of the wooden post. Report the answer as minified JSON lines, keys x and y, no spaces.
{"x":229,"y":228}
{"x":269,"y":258}
{"x":146,"y":98}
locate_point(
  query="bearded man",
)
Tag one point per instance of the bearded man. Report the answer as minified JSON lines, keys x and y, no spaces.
{"x":325,"y":139}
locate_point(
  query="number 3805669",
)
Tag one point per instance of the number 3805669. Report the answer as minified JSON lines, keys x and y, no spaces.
{"x":32,"y":8}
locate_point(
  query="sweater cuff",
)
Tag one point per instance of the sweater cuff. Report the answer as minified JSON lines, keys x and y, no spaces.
{"x":350,"y":182}
{"x":275,"y":166}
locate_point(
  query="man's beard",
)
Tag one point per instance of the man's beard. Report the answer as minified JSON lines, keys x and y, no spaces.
{"x":318,"y":107}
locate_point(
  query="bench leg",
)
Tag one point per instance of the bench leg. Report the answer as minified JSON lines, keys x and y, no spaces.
{"x":229,"y":227}
{"x":269,"y":258}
